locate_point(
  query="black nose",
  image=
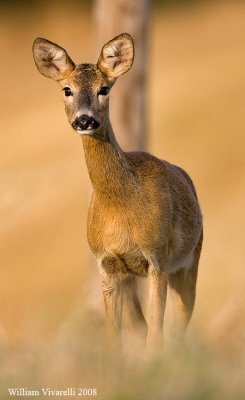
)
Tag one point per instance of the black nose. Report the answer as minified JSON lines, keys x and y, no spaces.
{"x":85,"y":122}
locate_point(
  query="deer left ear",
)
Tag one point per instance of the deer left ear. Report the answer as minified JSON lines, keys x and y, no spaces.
{"x":117,"y":56}
{"x":52,"y":60}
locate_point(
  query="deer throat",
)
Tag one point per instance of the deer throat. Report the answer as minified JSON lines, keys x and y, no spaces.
{"x":109,"y":169}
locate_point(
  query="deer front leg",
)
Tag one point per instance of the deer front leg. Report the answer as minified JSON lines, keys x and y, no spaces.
{"x":113,"y":305}
{"x":158,"y":281}
{"x":133,"y":317}
{"x":112,"y":293}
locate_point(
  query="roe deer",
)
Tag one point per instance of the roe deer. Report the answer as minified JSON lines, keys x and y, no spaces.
{"x":144,"y":218}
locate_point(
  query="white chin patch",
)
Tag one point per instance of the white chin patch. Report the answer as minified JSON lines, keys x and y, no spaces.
{"x":85,"y":132}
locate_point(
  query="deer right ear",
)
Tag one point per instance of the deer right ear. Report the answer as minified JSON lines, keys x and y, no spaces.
{"x":117,"y":56}
{"x":51,"y":60}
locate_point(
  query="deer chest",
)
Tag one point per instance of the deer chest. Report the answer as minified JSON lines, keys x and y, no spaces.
{"x":109,"y":231}
{"x":112,"y":240}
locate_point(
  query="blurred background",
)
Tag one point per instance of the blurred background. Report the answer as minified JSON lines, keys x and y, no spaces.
{"x":51,"y":311}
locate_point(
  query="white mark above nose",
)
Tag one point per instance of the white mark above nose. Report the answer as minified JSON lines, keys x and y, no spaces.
{"x":84,"y":111}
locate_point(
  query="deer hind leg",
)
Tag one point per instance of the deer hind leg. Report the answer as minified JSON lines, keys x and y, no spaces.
{"x":133,"y":317}
{"x":182,"y":287}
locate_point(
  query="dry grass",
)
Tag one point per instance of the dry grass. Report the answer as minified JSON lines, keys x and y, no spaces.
{"x":48,"y":334}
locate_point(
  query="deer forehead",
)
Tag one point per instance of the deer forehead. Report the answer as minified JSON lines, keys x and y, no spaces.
{"x":86,"y":76}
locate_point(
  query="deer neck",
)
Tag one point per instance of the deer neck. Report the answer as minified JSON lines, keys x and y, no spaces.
{"x":110,"y":171}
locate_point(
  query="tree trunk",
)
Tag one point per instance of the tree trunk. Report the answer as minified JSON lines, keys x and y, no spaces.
{"x":128,"y":97}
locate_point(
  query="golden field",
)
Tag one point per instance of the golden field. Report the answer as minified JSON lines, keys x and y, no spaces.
{"x":51,"y":311}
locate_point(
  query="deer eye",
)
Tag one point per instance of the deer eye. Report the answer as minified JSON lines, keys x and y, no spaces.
{"x":67,"y":91}
{"x":104,"y":90}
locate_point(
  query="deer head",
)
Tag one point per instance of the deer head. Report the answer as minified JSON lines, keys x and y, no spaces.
{"x":86,"y":87}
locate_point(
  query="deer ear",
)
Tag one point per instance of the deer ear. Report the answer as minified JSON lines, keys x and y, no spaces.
{"x":51,"y":60}
{"x":117,"y":56}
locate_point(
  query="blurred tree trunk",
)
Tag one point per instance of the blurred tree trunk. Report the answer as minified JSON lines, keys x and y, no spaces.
{"x":128,"y":97}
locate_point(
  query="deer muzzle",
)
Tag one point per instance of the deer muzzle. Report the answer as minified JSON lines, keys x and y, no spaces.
{"x":85,"y":123}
